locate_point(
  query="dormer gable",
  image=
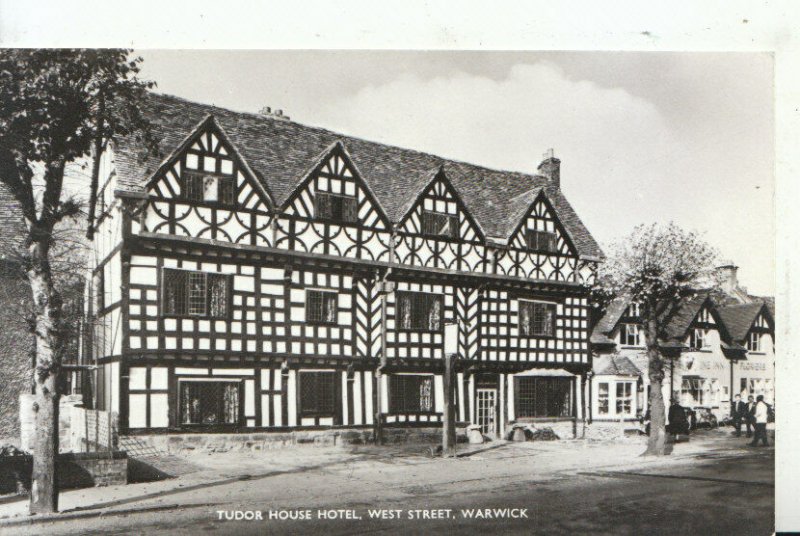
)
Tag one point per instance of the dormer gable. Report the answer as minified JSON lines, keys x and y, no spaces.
{"x":439,"y":212}
{"x":541,"y":231}
{"x":334,"y":191}
{"x":206,"y":169}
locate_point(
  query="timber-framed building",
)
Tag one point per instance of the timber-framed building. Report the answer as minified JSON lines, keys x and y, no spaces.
{"x":256,"y":274}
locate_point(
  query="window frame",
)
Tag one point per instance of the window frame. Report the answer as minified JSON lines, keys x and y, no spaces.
{"x":754,"y":342}
{"x":693,"y":337}
{"x":163,"y":300}
{"x":220,"y":178}
{"x":452,"y":222}
{"x":393,"y":391}
{"x":433,"y":297}
{"x":533,"y":302}
{"x":629,"y":398}
{"x":317,"y":413}
{"x":606,"y":399}
{"x":332,"y":218}
{"x":238,"y":382}
{"x":552,"y":237}
{"x":625,"y":335}
{"x":328,"y":294}
{"x":543,"y":383}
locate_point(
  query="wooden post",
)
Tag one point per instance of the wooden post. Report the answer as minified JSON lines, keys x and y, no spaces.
{"x":449,"y":429}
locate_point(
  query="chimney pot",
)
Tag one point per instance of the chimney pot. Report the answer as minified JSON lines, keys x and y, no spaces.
{"x":551,"y":168}
{"x":727,"y":277}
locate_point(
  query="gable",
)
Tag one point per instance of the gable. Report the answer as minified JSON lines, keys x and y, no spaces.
{"x":336,"y":175}
{"x":440,"y":198}
{"x":208,"y":152}
{"x":542,"y":217}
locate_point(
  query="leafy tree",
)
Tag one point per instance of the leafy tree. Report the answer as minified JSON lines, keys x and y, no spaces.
{"x":656,"y":266}
{"x":57,"y":106}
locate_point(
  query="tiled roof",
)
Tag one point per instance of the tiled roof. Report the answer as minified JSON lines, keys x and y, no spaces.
{"x":739,"y":318}
{"x":612,"y":315}
{"x":614,"y":365}
{"x":283,"y":152}
{"x":678,"y":318}
{"x":12,"y":225}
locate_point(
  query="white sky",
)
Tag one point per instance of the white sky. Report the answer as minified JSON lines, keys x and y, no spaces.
{"x":642,"y":136}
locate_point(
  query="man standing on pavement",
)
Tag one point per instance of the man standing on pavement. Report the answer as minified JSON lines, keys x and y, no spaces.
{"x":749,"y":415}
{"x":761,"y":416}
{"x":737,"y":411}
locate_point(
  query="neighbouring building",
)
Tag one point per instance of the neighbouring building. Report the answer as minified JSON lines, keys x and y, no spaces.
{"x":718,"y":344}
{"x":263,"y":275}
{"x":16,"y":340}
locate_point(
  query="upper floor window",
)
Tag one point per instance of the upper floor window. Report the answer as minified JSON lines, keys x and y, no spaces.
{"x":207,"y":188}
{"x":419,"y":311}
{"x":630,"y":335}
{"x":633,"y":310}
{"x":335,"y":207}
{"x":698,"y":338}
{"x":754,"y":342}
{"x":410,"y":394}
{"x":321,"y":306}
{"x":187,"y":293}
{"x":436,"y":224}
{"x":544,"y":241}
{"x":537,"y":319}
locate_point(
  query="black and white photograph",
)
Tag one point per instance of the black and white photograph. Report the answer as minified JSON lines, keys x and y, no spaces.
{"x":394,"y":290}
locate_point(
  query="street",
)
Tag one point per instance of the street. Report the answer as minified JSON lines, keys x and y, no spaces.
{"x":718,"y":487}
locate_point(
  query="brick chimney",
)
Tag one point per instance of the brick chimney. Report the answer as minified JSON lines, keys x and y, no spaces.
{"x":275,"y":114}
{"x":551,"y":168}
{"x":728,"y":282}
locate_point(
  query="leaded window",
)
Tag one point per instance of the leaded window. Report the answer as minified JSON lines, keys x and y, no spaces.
{"x":410,"y":394}
{"x":335,"y":207}
{"x":188,"y":293}
{"x":436,"y":224}
{"x":544,"y":241}
{"x":206,"y":188}
{"x":543,"y":396}
{"x":419,"y":311}
{"x":317,"y":394}
{"x":210,"y":402}
{"x":697,"y":338}
{"x":321,"y":306}
{"x":537,"y":319}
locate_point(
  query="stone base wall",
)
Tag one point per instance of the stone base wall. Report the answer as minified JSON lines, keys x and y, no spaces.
{"x":75,"y":470}
{"x":255,"y":442}
{"x":612,"y":430}
{"x":564,"y":429}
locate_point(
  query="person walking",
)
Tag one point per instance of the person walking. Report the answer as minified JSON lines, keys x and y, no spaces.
{"x":749,"y":416}
{"x":738,"y":408}
{"x":761,"y":416}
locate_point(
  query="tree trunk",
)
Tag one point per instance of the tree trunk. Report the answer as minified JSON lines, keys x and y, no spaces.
{"x":449,"y":420}
{"x":656,"y":442}
{"x":47,"y":329}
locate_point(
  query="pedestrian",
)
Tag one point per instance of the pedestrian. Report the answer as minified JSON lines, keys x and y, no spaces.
{"x":737,"y":411}
{"x":678,"y":424}
{"x":749,"y":415}
{"x":761,"y":415}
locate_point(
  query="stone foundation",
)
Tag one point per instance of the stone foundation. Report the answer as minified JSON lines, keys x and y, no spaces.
{"x":564,"y":429}
{"x":255,"y":442}
{"x":612,"y":430}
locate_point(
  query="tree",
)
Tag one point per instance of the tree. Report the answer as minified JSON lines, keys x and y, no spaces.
{"x":657,"y":267}
{"x":56,"y":106}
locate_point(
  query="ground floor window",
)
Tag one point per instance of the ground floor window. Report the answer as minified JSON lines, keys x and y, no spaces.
{"x":692,"y":392}
{"x":543,"y":397}
{"x":615,"y":398}
{"x":210,"y":402}
{"x":317,"y":394}
{"x":410,"y":394}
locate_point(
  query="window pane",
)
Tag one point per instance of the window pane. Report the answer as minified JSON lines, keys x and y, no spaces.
{"x":537,"y":319}
{"x":210,"y":192}
{"x":419,"y":311}
{"x":317,"y":394}
{"x":227,"y":190}
{"x":218,"y":301}
{"x":410,"y":394}
{"x":321,"y":306}
{"x":197,"y":293}
{"x":336,"y":207}
{"x":209,"y":402}
{"x":175,"y":298}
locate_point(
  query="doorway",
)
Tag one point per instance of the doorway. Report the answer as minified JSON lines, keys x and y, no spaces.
{"x":487,"y":411}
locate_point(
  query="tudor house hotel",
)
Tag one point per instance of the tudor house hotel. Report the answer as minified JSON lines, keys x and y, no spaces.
{"x":259,"y":274}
